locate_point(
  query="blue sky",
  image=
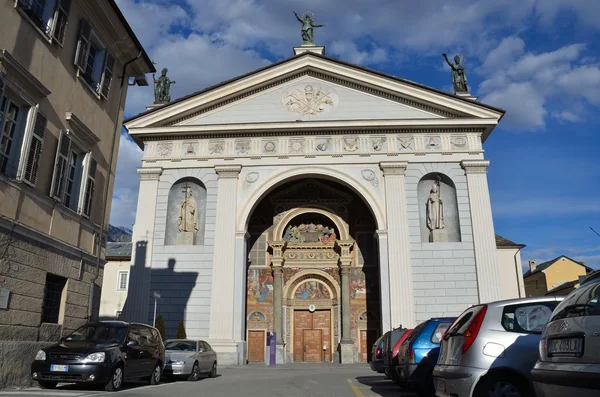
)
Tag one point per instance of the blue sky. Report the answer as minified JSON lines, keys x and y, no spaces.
{"x":538,"y":59}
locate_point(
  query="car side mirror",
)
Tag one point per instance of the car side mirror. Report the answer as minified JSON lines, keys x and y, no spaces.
{"x":133,"y":343}
{"x":201,"y":350}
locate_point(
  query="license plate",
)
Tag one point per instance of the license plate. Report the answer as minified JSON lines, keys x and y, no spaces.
{"x":59,"y":368}
{"x":440,"y":385}
{"x":570,"y":346}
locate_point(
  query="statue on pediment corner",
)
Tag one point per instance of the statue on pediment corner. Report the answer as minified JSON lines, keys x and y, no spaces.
{"x":459,"y":74}
{"x":162,"y":87}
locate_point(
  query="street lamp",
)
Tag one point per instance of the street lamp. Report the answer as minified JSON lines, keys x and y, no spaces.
{"x":156,"y":298}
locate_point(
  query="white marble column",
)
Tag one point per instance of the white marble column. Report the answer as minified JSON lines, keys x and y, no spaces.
{"x":384,"y":281}
{"x":484,"y":239}
{"x":402,"y":308}
{"x":137,"y":305}
{"x":222,"y":303}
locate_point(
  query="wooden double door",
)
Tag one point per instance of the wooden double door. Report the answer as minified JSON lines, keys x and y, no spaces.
{"x":312,"y":336}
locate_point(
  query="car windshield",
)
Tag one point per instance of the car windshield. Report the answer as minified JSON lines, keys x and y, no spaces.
{"x":181,"y":345}
{"x":98,"y":333}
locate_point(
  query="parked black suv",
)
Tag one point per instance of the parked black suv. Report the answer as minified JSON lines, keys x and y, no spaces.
{"x":105,"y":352}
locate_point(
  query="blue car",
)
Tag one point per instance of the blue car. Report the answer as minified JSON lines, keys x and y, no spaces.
{"x":424,"y":337}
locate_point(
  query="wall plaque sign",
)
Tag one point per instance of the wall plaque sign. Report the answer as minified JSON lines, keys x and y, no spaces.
{"x":4,"y":297}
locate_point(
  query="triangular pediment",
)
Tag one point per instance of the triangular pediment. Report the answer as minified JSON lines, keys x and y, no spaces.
{"x":319,"y":92}
{"x":308,"y":98}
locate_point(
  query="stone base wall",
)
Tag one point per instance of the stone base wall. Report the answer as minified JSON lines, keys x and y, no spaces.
{"x":15,"y":362}
{"x":24,"y":264}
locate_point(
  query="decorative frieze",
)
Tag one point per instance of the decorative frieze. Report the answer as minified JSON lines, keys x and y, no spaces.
{"x":332,"y":145}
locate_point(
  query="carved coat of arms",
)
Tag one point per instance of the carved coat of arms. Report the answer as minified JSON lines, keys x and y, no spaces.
{"x":308,"y":100}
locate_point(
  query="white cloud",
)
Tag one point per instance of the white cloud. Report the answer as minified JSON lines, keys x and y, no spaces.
{"x":524,"y":83}
{"x":127,"y":183}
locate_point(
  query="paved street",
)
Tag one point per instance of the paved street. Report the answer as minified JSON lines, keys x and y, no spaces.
{"x":294,"y":380}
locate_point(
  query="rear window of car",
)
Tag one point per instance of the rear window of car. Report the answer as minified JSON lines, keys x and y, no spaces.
{"x":439,"y":331}
{"x":528,"y":318}
{"x":583,"y":302}
{"x":413,"y":335}
{"x":461,"y":324}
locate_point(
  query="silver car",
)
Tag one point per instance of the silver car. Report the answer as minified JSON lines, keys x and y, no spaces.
{"x":569,"y":363}
{"x":491,"y":348}
{"x":189,"y":358}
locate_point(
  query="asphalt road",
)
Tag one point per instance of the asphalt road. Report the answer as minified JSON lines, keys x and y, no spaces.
{"x":292,"y":380}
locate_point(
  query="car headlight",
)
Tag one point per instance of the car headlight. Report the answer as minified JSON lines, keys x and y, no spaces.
{"x":177,"y":362}
{"x":40,"y":356}
{"x":95,"y":358}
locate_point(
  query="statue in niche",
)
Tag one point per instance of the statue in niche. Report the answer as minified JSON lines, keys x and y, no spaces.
{"x":435,"y":208}
{"x":459,"y":74}
{"x":188,"y":212}
{"x":308,"y":24}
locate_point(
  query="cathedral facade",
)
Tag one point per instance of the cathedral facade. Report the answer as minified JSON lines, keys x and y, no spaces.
{"x":316,"y":199}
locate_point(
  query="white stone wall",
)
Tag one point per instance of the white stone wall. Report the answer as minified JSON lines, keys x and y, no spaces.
{"x":185,"y":289}
{"x":444,"y":274}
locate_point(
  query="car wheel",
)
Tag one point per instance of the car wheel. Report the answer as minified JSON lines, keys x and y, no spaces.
{"x":116,"y":380}
{"x":155,"y":377}
{"x":502,"y":386}
{"x":195,"y":375}
{"x":47,"y":385}
{"x":213,"y":371}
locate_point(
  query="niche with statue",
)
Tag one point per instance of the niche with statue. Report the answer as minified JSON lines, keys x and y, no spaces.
{"x":186,"y":213}
{"x":438,"y":209}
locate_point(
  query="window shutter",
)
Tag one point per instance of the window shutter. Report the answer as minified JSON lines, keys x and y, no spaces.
{"x":60,"y":166}
{"x":61,"y":18}
{"x":83,"y":45}
{"x":35,"y":148}
{"x":107,"y":75}
{"x":1,"y":87}
{"x":90,"y":185}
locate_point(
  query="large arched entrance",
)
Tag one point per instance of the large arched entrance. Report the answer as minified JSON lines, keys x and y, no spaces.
{"x":313,"y":269}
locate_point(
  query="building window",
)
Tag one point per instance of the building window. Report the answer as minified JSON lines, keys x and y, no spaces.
{"x":122,"y":281}
{"x":54,"y":299}
{"x":93,"y":60}
{"x":20,"y":125}
{"x":74,"y":179}
{"x":49,"y":16}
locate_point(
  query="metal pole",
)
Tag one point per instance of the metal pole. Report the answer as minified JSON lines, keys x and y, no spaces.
{"x":154,"y":321}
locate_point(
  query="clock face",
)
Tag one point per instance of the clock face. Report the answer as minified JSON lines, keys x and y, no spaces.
{"x":311,"y":308}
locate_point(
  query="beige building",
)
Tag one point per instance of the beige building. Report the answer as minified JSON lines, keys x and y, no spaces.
{"x":511,"y":278}
{"x":62,"y":98}
{"x":558,"y":276}
{"x":115,"y":281}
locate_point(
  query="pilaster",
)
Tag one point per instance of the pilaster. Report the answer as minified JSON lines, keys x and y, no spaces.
{"x":222,"y":310}
{"x":484,"y":239}
{"x":402,"y":308}
{"x":138,"y":294}
{"x":241,"y":264}
{"x":384,"y":281}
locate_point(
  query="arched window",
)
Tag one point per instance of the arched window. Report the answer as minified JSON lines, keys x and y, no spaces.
{"x":186,"y":213}
{"x":438,"y":209}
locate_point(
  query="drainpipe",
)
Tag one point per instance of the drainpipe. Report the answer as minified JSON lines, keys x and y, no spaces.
{"x":517,"y":270}
{"x":106,"y":188}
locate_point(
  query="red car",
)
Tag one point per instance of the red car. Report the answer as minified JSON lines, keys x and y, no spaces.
{"x":394,"y":362}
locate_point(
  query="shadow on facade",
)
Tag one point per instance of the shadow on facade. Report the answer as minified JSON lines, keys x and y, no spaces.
{"x":174,"y":288}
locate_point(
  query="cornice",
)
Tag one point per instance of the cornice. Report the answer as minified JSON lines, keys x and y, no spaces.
{"x":150,"y":174}
{"x":228,"y":171}
{"x":82,"y":132}
{"x":393,"y":168}
{"x":19,"y":74}
{"x":475,"y":166}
